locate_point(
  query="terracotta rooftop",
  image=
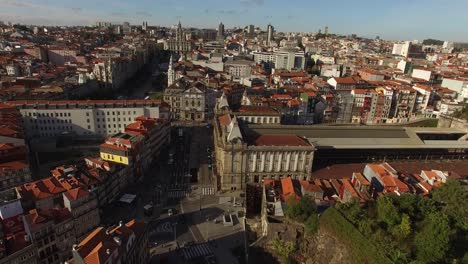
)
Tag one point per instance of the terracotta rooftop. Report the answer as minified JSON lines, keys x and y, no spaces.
{"x":281,"y":140}
{"x":12,"y":166}
{"x":311,"y":187}
{"x":257,"y":109}
{"x":77,"y":193}
{"x":93,"y":249}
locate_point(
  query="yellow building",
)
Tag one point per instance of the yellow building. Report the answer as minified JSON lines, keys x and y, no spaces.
{"x":121,"y":148}
{"x":114,"y":153}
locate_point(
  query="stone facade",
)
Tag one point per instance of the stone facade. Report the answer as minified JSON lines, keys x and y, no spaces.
{"x":251,"y":159}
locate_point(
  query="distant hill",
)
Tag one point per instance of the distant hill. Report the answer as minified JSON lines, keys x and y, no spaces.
{"x":433,"y":42}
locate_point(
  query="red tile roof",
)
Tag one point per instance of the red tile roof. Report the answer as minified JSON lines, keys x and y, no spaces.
{"x":349,"y":187}
{"x":288,"y":190}
{"x":310,"y":187}
{"x":281,"y":140}
{"x":257,"y":109}
{"x":12,"y":166}
{"x":77,"y":193}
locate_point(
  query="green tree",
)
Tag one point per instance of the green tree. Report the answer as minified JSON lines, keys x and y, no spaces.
{"x":403,"y":230}
{"x":432,"y":241}
{"x":353,"y":211}
{"x":407,"y":203}
{"x":367,"y":226}
{"x":455,"y":201}
{"x":387,"y":212}
{"x":312,"y":223}
{"x":301,"y":210}
{"x":284,"y":250}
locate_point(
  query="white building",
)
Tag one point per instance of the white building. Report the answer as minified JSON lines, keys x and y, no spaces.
{"x":458,"y":85}
{"x":92,"y":117}
{"x":401,"y":49}
{"x":239,"y":68}
{"x":285,"y":58}
{"x":422,"y":74}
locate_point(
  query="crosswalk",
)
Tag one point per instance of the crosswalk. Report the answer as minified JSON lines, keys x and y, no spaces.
{"x":195,"y":251}
{"x":178,"y":193}
{"x":208,"y":191}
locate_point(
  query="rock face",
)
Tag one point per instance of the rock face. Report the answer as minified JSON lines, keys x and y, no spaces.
{"x":321,"y":248}
{"x":324,"y":249}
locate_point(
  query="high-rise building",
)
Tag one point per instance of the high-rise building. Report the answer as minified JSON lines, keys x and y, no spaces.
{"x":325,"y":30}
{"x":270,"y":30}
{"x":126,"y":29}
{"x":250,"y":30}
{"x":145,"y":25}
{"x":221,"y":31}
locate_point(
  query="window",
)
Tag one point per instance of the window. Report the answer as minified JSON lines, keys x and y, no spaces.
{"x":69,"y":114}
{"x":134,"y":112}
{"x":113,"y":113}
{"x":89,"y":127}
{"x":87,"y":120}
{"x":87,"y":114}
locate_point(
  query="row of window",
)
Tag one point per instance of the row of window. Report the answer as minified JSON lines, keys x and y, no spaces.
{"x":58,"y":121}
{"x":69,"y":114}
{"x":53,"y":128}
{"x":49,"y":114}
{"x":113,"y":113}
{"x":257,"y":119}
{"x":113,"y":119}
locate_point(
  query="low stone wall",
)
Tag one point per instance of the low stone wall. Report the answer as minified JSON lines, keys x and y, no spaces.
{"x":450,"y":122}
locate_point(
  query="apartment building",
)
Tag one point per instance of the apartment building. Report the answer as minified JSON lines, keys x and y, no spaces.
{"x":51,"y":230}
{"x":123,"y":243}
{"x":239,"y":68}
{"x":157,"y":136}
{"x":91,"y":117}
{"x":13,"y":174}
{"x":16,"y":247}
{"x":285,"y":58}
{"x":83,"y":206}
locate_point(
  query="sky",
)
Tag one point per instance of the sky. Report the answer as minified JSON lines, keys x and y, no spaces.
{"x":389,"y":19}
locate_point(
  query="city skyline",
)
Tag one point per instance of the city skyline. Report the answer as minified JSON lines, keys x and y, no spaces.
{"x":396,"y":20}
